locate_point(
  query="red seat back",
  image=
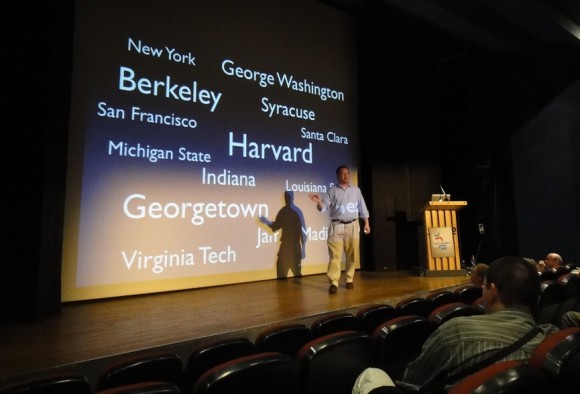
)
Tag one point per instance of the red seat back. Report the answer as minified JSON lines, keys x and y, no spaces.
{"x":414,"y":306}
{"x":331,"y":363}
{"x":49,"y":384}
{"x":156,"y":366}
{"x":442,"y":297}
{"x":469,"y":293}
{"x":399,"y":341}
{"x":370,"y":317}
{"x":506,"y":377}
{"x":214,"y":353}
{"x":447,"y":312}
{"x":260,"y":373}
{"x":333,"y":322}
{"x":287,"y":339}
{"x":144,"y":388}
{"x":552,"y":354}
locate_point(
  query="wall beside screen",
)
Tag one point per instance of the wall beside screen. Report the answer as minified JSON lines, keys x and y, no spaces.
{"x":189,"y":121}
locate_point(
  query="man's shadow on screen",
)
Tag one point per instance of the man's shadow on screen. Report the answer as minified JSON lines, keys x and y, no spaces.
{"x":292,"y":241}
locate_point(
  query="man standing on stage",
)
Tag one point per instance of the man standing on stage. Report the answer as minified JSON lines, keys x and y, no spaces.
{"x":345,"y":204}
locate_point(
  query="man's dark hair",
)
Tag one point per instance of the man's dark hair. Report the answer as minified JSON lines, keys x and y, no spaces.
{"x":340,"y":168}
{"x":517,"y":281}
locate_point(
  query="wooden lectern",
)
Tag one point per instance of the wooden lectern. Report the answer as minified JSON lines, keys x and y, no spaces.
{"x":441,"y":238}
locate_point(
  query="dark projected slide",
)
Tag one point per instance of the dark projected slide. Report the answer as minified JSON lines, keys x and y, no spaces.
{"x":198,"y":129}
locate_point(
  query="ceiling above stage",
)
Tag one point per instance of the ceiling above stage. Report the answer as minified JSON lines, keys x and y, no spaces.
{"x":535,"y":27}
{"x":519,"y":53}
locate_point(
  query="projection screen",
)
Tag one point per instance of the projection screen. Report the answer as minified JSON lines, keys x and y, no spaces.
{"x":189,"y":121}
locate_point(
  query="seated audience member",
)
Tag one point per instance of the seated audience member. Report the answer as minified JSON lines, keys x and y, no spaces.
{"x":570,"y":319}
{"x":478,"y":274}
{"x":539,"y":264}
{"x":510,"y":292}
{"x":553,"y":261}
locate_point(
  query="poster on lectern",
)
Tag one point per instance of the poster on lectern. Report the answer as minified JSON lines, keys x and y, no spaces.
{"x":197,"y":131}
{"x":442,"y":244}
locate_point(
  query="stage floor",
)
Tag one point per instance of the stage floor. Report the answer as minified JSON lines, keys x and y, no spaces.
{"x":87,"y":335}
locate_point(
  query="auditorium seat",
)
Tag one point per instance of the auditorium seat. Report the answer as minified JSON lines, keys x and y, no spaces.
{"x":387,"y":390}
{"x":371,"y":316}
{"x":50,"y":383}
{"x":562,"y":270}
{"x":572,"y":284}
{"x":286,"y":338}
{"x":552,"y":295}
{"x":333,"y":322}
{"x":549,"y":274}
{"x":468,"y":293}
{"x":144,"y":388}
{"x":154,"y":366}
{"x":478,"y":305}
{"x":571,"y":302}
{"x":505,"y":377}
{"x":448,"y":311}
{"x":442,"y":297}
{"x":330,"y":364}
{"x":568,"y":377}
{"x":540,"y":353}
{"x":213,"y":353}
{"x":557,"y":356}
{"x":258,"y":373}
{"x":399,"y":341}
{"x":414,"y":306}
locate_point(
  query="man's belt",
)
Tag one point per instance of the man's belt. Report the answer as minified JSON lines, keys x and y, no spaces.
{"x":343,"y":221}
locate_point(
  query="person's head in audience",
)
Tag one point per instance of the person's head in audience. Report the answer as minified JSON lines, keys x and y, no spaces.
{"x":478,"y":273}
{"x":540,"y":265}
{"x":553,"y":261}
{"x":511,"y":282}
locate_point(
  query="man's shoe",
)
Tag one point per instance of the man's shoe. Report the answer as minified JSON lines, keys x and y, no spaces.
{"x":332,"y":289}
{"x":349,"y":285}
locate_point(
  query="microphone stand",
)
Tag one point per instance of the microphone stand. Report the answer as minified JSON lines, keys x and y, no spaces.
{"x":481,"y":235}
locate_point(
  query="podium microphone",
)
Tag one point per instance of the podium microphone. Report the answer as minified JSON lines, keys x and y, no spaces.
{"x":444,"y":197}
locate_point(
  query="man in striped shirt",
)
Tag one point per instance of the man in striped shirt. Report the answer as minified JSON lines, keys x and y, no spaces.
{"x":510,"y":291}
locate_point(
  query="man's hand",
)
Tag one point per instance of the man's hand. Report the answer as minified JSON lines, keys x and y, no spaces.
{"x":314,"y":197}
